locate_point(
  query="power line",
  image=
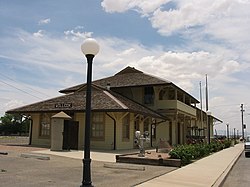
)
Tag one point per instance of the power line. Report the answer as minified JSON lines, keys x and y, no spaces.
{"x":24,"y":85}
{"x":20,"y":89}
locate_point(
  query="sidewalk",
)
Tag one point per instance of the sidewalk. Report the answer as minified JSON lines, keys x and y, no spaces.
{"x":97,"y":156}
{"x":206,"y":172}
{"x":103,"y":156}
{"x":209,"y":171}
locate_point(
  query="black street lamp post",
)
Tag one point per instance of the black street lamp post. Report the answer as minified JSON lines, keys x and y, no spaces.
{"x":89,"y":48}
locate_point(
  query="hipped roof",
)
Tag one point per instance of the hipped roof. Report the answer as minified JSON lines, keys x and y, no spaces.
{"x":129,"y":77}
{"x":102,"y":100}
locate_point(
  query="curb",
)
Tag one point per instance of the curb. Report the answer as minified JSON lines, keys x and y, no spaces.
{"x":3,"y":153}
{"x":220,"y":180}
{"x":40,"y":157}
{"x":124,"y":166}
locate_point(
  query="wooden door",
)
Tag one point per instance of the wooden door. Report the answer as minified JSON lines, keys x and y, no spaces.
{"x":70,"y":134}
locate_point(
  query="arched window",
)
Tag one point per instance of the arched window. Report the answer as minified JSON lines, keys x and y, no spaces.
{"x":162,"y":94}
{"x":167,"y":93}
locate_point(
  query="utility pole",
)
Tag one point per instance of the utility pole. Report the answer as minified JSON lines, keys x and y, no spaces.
{"x":234,"y":137}
{"x":207,"y":112}
{"x":227,"y":131}
{"x":242,"y":121}
{"x":201,"y":107}
{"x":206,"y":94}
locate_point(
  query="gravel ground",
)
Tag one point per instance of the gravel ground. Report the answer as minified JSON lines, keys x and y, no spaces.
{"x":14,"y":140}
{"x":64,"y":172}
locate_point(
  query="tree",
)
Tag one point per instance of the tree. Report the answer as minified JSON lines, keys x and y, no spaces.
{"x":13,"y":124}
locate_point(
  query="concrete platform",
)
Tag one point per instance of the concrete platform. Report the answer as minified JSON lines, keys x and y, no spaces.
{"x":209,"y":171}
{"x":37,"y":156}
{"x":206,"y":172}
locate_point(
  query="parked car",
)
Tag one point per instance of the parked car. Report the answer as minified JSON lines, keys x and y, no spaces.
{"x":247,"y":146}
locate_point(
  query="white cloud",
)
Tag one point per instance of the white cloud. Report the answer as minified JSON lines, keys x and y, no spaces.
{"x":77,"y":34}
{"x":37,"y":34}
{"x":60,"y":60}
{"x":217,"y":44}
{"x":143,"y":6}
{"x":44,"y":21}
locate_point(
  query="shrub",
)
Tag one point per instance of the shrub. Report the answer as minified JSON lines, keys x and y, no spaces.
{"x":184,"y":152}
{"x":227,"y":143}
{"x":190,"y":152}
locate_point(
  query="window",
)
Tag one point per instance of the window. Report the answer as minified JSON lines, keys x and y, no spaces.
{"x":149,"y":95}
{"x":45,"y":125}
{"x":125,"y":128}
{"x":97,"y":131}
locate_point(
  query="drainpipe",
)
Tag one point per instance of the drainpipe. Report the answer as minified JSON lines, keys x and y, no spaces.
{"x":114,"y":130}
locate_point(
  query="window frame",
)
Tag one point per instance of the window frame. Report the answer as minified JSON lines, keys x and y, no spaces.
{"x":45,"y":125}
{"x":126,"y":128}
{"x":97,"y":127}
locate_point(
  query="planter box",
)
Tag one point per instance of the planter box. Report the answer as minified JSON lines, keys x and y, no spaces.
{"x":134,"y":159}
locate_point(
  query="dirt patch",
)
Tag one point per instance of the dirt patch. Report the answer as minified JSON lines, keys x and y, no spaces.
{"x":16,"y":144}
{"x":152,"y":155}
{"x":151,"y":158}
{"x":19,"y":148}
{"x":14,"y":140}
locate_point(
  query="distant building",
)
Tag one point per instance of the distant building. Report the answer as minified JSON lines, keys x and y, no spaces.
{"x":121,"y":104}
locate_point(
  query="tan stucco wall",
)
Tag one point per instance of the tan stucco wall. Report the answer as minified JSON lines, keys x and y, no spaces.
{"x":56,"y":134}
{"x":162,"y":131}
{"x":108,"y":141}
{"x":120,"y":143}
{"x":174,"y":132}
{"x":36,"y":139}
{"x":80,"y":117}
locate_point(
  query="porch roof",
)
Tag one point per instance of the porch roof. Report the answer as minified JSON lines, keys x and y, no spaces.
{"x":102,"y":100}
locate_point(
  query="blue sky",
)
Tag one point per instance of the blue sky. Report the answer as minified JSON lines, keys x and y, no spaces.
{"x":179,"y":40}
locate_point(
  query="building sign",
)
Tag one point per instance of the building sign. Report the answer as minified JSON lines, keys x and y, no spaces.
{"x":63,"y":105}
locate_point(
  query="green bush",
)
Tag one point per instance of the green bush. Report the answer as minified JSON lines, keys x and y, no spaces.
{"x":227,"y":143}
{"x":189,"y":152}
{"x":183,"y":152}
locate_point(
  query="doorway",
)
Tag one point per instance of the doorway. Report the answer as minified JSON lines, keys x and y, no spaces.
{"x":70,"y":134}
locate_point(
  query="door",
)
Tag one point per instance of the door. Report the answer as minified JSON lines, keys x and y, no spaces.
{"x":70,"y":134}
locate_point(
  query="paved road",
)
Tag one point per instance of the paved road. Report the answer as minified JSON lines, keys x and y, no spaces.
{"x":64,"y":172}
{"x":239,"y":175}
